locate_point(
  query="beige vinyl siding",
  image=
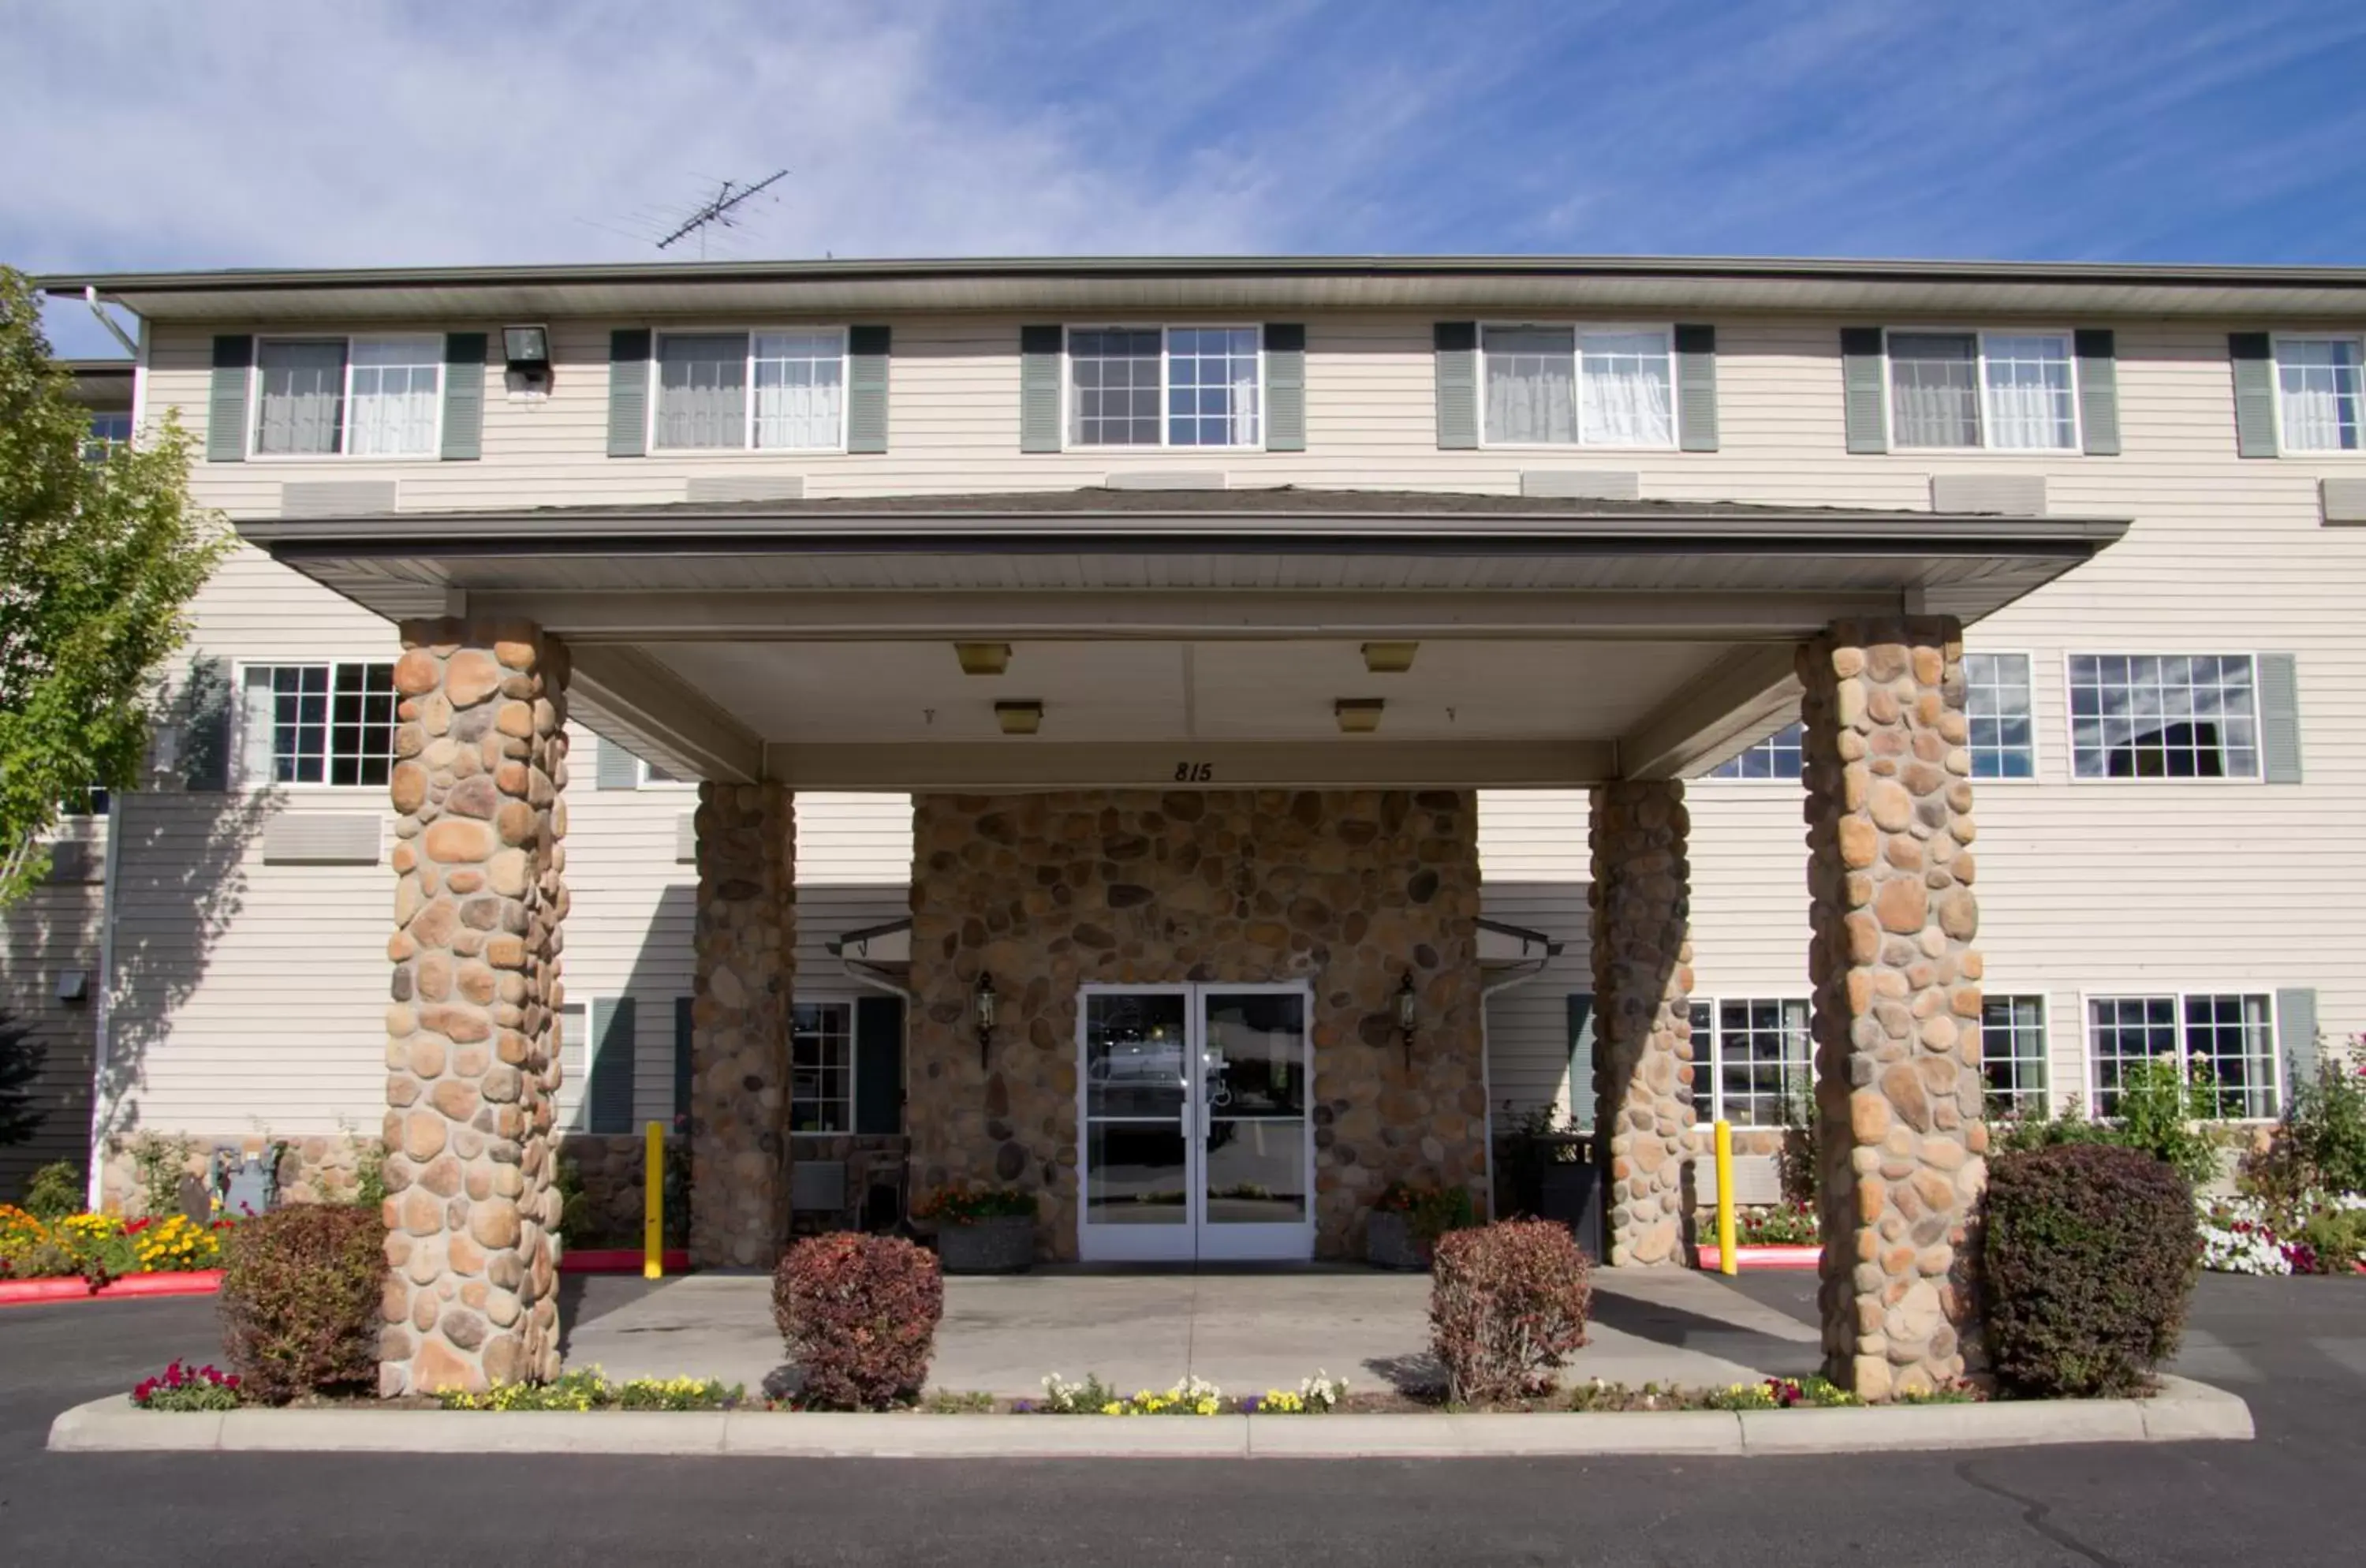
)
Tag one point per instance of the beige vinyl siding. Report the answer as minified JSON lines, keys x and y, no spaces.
{"x":2084,"y":887}
{"x":53,"y":930}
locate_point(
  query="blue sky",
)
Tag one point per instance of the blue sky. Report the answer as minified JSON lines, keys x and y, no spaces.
{"x":159,"y":133}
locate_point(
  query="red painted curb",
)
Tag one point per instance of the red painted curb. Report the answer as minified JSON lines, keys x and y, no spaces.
{"x":1808,"y":1257}
{"x":25,"y":1292}
{"x":615,"y":1260}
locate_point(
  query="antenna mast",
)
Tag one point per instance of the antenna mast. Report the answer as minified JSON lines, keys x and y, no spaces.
{"x":719,"y":210}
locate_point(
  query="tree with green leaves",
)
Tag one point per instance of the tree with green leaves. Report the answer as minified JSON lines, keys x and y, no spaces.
{"x":99,"y":557}
{"x":21,"y":1063}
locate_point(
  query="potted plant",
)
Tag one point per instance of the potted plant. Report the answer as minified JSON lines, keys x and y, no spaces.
{"x":1406,"y":1222}
{"x":981,"y":1230}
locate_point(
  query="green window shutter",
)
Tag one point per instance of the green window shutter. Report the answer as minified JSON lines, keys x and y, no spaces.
{"x":203,"y":713}
{"x":1581,"y":1059}
{"x":1039,"y":389}
{"x":1867,"y":400}
{"x":628,"y":392}
{"x":1457,"y":344}
{"x":2279,"y":719}
{"x":226,"y":404}
{"x":866,"y":387}
{"x":1285,"y":387}
{"x":2296,"y":1036}
{"x":1696,"y":388}
{"x":617,"y":768}
{"x":464,"y":397}
{"x":2254,"y":358}
{"x":2099,"y":391}
{"x":684,"y":1023}
{"x":608,"y":1100}
{"x":879,"y":1065}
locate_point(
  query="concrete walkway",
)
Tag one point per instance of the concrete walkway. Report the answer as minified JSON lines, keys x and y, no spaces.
{"x":1246,"y":1330}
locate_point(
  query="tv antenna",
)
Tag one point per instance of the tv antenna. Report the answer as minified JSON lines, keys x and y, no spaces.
{"x":720,"y":210}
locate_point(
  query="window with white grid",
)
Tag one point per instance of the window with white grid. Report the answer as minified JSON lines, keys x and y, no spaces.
{"x":1568,"y":386}
{"x":2003,"y":391}
{"x":318,"y":724}
{"x":800,"y":380}
{"x":2013,"y":1053}
{"x":702,"y":391}
{"x":2232,"y":1034}
{"x":2163,"y":716}
{"x":821,"y":1067}
{"x":2002,"y":731}
{"x":2317,"y":393}
{"x":1212,"y":386}
{"x":1115,"y":384}
{"x":299,"y":403}
{"x":398,"y":386}
{"x":2030,"y":403}
{"x":1779,"y":756}
{"x":1749,"y":1059}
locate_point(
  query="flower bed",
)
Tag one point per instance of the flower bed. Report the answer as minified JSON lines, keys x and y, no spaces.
{"x":99,"y":1250}
{"x":1317,"y":1395}
{"x":589,"y":1390}
{"x":2316,"y":1233}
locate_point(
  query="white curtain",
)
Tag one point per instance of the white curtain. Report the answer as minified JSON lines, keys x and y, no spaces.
{"x":1933,"y":388}
{"x":302,"y":404}
{"x":2319,"y":379}
{"x":257,"y":728}
{"x":1531,"y":385}
{"x":702,"y":390}
{"x":2029,"y":393}
{"x":800,"y":388}
{"x":1626,"y":394}
{"x":1244,"y":399}
{"x":396,"y":383}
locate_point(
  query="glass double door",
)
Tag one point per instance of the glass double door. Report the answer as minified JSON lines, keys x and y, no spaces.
{"x":1192,"y":1113}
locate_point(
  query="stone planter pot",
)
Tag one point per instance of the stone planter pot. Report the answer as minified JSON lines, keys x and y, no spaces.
{"x":1389,"y":1242}
{"x":1000,"y":1244}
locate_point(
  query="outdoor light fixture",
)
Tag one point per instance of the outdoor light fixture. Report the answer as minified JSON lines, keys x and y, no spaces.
{"x":1389,"y":657}
{"x":982,"y":1003}
{"x":1022,"y":717}
{"x":983,"y":658}
{"x":1358,"y":716}
{"x":1404,"y":1015}
{"x":525,"y":359}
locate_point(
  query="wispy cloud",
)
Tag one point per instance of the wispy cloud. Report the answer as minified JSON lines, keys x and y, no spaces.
{"x":240,"y":133}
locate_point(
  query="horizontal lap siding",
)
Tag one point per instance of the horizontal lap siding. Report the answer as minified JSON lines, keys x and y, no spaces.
{"x":53,"y":930}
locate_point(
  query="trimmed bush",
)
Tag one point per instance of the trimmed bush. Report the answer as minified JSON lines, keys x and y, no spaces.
{"x":2089,"y":1257}
{"x":859,"y":1314}
{"x":301,"y":1292}
{"x":1506,"y":1307}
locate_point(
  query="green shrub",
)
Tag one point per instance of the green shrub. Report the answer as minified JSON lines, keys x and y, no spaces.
{"x":56,"y":1192}
{"x":1429,"y":1211}
{"x":2320,"y":1144}
{"x":301,"y":1296}
{"x":1507,"y":1304}
{"x":2089,"y":1254}
{"x":2160,"y":1110}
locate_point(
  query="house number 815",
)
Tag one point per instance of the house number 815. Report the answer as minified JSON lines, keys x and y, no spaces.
{"x":1195,"y":772}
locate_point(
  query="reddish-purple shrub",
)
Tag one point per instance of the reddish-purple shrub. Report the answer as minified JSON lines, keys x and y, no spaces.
{"x":860,"y":1315}
{"x":301,"y":1293}
{"x":1507,"y":1306}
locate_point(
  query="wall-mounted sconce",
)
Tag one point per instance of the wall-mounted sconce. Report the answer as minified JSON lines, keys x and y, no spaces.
{"x":982,"y":1006}
{"x":1405,"y":1015}
{"x":1389,"y":657}
{"x":525,"y":359}
{"x":983,"y":658}
{"x":1358,"y":716}
{"x":1019,"y":718}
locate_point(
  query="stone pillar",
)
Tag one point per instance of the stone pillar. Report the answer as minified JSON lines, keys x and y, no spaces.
{"x":472,"y":1037}
{"x":1901,"y":1144}
{"x":1641,"y":904}
{"x":747,"y":937}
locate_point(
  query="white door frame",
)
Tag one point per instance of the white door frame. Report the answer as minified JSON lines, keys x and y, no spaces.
{"x":1195,"y":1240}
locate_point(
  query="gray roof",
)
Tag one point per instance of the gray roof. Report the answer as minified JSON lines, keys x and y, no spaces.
{"x":1085,"y":284}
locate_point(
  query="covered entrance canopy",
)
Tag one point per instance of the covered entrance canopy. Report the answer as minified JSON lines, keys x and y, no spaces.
{"x":1202,"y":638}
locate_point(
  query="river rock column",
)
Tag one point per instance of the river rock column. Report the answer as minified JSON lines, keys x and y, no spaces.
{"x":1641,"y":920}
{"x":472,"y":1034}
{"x":1901,"y":1144}
{"x":746,"y":933}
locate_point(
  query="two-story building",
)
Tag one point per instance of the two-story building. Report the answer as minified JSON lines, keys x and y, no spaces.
{"x":1203,"y":740}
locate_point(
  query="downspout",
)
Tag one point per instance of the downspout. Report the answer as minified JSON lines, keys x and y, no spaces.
{"x":90,"y":298}
{"x":101,"y":1019}
{"x":1486,"y":1064}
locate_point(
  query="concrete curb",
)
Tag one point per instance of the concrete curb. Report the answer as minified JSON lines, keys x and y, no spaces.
{"x":2183,"y":1411}
{"x":126,"y":1287}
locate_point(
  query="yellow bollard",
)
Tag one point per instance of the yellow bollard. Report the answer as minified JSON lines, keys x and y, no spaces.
{"x":653,"y":1205}
{"x":1727,"y":1263}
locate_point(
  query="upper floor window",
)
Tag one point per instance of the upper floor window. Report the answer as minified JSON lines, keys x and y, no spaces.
{"x":310,"y":724}
{"x":1568,"y":386}
{"x":2317,"y":394}
{"x":2006,"y":391}
{"x":1780,"y":756}
{"x":367,"y":397}
{"x":2003,"y":741}
{"x":2231,"y":1036}
{"x":2142,"y":716}
{"x":740,"y":392}
{"x":1170,"y":387}
{"x":1750,"y":1060}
